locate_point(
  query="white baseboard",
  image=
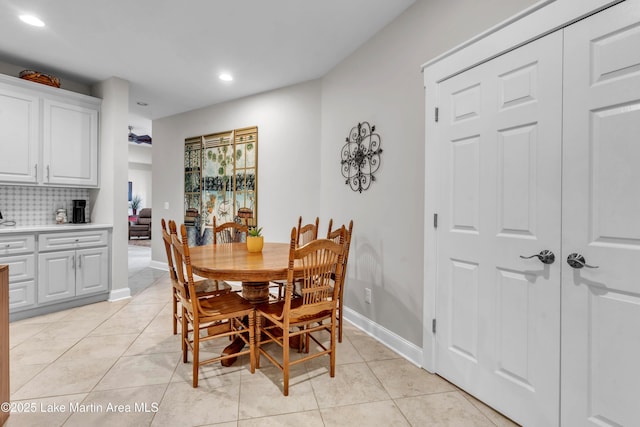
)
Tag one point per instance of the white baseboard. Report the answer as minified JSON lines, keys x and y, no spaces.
{"x":159,"y":265}
{"x":404,"y":348}
{"x":119,"y":294}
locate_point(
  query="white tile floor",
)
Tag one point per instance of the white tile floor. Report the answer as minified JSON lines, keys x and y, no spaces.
{"x":118,"y":364}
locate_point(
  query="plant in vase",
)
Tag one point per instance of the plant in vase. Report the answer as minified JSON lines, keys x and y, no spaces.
{"x":255,"y":240}
{"x":135,"y":203}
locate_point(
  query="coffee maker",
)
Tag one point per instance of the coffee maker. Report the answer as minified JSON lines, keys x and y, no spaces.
{"x":77,"y":213}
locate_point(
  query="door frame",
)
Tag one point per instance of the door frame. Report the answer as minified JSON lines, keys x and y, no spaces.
{"x":532,"y":23}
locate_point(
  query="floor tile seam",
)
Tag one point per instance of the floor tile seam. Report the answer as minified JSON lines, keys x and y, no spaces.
{"x":70,"y":360}
{"x":239,"y":397}
{"x":71,"y":413}
{"x":59,"y":356}
{"x":110,"y":369}
{"x":377,"y":378}
{"x":364,"y":402}
{"x":164,"y":393}
{"x":71,"y":322}
{"x":39,"y":398}
{"x":464,"y":395}
{"x":335,"y":406}
{"x":363,"y":356}
{"x":401,"y":412}
{"x":442,"y":393}
{"x":313,"y":389}
{"x":266,"y":417}
{"x":395,"y":405}
{"x":160,"y":313}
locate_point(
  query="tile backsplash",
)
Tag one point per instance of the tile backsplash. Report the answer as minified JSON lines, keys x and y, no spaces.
{"x":37,"y":205}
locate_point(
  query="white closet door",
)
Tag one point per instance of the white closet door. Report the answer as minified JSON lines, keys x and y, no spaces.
{"x":498,"y":315}
{"x":601,"y":220}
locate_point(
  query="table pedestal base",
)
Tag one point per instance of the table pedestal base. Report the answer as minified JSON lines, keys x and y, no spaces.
{"x":255,"y":292}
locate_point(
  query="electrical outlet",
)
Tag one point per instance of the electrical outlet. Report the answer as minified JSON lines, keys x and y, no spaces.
{"x":367,"y":295}
{"x":166,"y":205}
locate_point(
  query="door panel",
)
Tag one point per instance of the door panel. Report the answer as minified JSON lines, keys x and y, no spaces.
{"x":500,"y":137}
{"x":56,"y":276}
{"x":601,"y":211}
{"x":19,"y":113}
{"x":517,"y":181}
{"x":70,"y":144}
{"x":92,"y":274}
{"x":463,"y":338}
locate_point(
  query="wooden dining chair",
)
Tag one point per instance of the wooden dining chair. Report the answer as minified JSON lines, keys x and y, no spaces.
{"x":221,"y":316}
{"x":306,"y":233}
{"x":204,"y":288}
{"x":343,"y":233}
{"x":281,"y":321}
{"x":229,"y":232}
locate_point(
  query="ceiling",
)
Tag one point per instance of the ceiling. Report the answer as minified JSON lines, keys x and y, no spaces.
{"x":172,"y":52}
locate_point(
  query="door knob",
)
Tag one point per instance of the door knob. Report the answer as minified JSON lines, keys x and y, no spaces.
{"x":545,"y":256}
{"x":576,"y":260}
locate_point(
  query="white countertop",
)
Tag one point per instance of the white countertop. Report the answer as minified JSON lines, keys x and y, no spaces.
{"x":51,"y":227}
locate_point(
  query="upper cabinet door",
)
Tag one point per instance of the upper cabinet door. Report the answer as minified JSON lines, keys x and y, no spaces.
{"x":19,"y":127}
{"x":70,"y":144}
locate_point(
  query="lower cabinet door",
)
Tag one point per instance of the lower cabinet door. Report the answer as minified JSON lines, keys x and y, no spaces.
{"x":56,"y":276}
{"x":92,"y":274}
{"x":22,"y":295}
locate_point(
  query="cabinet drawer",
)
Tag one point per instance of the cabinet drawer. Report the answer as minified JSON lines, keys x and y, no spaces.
{"x":61,"y":241}
{"x":16,"y":244}
{"x":21,"y":267}
{"x":22,"y":295}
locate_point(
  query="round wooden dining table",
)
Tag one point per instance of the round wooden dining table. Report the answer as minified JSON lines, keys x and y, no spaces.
{"x":232,"y":261}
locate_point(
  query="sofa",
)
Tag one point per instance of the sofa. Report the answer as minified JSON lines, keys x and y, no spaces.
{"x":142,"y":226}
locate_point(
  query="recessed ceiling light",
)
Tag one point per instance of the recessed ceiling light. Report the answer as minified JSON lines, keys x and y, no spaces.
{"x":142,"y":104}
{"x":226,"y":77}
{"x":31,"y":20}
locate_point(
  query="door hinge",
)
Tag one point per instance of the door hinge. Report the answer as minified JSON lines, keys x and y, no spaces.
{"x":433,"y":326}
{"x":435,"y":220}
{"x":436,"y":114}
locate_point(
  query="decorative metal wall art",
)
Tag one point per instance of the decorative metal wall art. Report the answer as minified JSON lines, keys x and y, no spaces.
{"x":361,"y":156}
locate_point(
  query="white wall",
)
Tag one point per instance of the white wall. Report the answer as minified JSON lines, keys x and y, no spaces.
{"x":110,"y":200}
{"x":288,"y":123}
{"x":140,"y":173}
{"x":381,"y":83}
{"x":141,"y":177}
{"x":301,"y":131}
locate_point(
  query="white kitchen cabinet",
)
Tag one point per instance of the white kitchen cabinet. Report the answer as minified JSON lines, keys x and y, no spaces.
{"x":68,"y":265}
{"x":56,"y":276}
{"x":67,"y":274}
{"x":17,"y":251}
{"x":48,"y":136}
{"x":92,"y":274}
{"x":70,"y":144}
{"x":19,"y":137}
{"x":56,"y":267}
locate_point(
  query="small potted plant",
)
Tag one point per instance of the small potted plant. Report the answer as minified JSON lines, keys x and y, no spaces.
{"x":135,"y":202}
{"x":255,"y":240}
